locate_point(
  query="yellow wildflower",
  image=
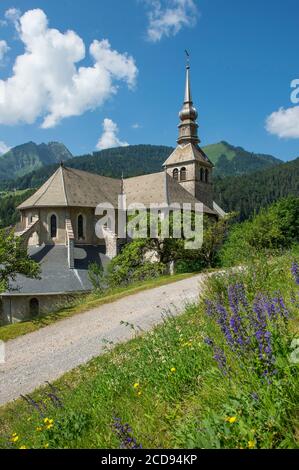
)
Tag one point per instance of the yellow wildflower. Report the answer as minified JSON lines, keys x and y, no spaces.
{"x":173,"y":369}
{"x":136,"y":385}
{"x":39,"y":428}
{"x":231,"y":419}
{"x":139,"y":393}
{"x":23,"y":447}
{"x":46,"y":446}
{"x":251,"y":444}
{"x":14,"y":437}
{"x":49,"y":426}
{"x":48,"y":421}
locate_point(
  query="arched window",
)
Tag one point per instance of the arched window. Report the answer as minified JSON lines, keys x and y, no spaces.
{"x":175,"y":174}
{"x":80,"y":227}
{"x":183,"y":175}
{"x":201,"y":174}
{"x":34,"y":307}
{"x":53,"y":223}
{"x":207,"y":176}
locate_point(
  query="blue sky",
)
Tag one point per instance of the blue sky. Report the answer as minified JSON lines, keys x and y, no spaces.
{"x":243,"y":60}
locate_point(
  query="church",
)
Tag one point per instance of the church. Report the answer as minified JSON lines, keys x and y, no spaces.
{"x":58,"y":221}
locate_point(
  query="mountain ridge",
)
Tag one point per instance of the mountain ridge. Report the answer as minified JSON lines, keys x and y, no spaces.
{"x":135,"y":160}
{"x":28,"y":157}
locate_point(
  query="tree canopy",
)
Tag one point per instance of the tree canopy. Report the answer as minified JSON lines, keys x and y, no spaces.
{"x":14,"y":260}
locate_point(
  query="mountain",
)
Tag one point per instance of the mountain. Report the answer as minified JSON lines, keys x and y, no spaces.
{"x":29,"y":157}
{"x":230,"y":160}
{"x":247,"y":194}
{"x":142,"y":159}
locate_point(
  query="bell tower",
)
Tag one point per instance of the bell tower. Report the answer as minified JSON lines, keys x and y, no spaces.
{"x":188,"y":164}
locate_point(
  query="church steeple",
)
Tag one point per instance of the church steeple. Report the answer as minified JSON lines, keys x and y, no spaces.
{"x":188,"y":115}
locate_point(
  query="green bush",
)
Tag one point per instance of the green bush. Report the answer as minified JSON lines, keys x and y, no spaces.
{"x":272,"y":230}
{"x":130,"y":266}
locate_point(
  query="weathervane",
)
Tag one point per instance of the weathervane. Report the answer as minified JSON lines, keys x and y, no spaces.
{"x":188,"y":57}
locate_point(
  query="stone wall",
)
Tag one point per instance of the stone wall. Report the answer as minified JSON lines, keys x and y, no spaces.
{"x":199,"y":189}
{"x":17,"y":308}
{"x":62,"y":214}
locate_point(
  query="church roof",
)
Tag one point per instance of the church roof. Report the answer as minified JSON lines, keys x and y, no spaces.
{"x":69,"y":187}
{"x":187,"y":153}
{"x":158,"y":188}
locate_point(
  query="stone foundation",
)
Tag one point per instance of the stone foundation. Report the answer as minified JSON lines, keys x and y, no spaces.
{"x":25,"y":307}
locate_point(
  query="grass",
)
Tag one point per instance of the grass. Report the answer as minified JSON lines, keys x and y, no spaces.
{"x":84,"y":303}
{"x":167,"y":386}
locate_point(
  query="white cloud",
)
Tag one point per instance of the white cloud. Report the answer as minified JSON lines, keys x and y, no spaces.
{"x":13,"y":15}
{"x":136,"y":125}
{"x":3,"y":148}
{"x":168,"y":17}
{"x":46,"y":81}
{"x":3,"y":49}
{"x":109,"y":137}
{"x":284,"y":123}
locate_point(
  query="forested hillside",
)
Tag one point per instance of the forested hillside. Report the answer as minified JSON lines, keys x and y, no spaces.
{"x":8,"y":204}
{"x":243,"y":194}
{"x":28,"y":157}
{"x":136,"y":160}
{"x":230,"y":160}
{"x":248,"y":193}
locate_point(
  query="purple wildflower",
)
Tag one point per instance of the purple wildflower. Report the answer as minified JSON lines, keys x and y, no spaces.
{"x":281,"y":307}
{"x":220,"y":358}
{"x":208,"y":341}
{"x":124,"y":433}
{"x":295,"y":271}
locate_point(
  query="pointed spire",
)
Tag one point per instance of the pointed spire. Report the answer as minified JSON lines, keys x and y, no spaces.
{"x":188,"y":115}
{"x":188,"y":97}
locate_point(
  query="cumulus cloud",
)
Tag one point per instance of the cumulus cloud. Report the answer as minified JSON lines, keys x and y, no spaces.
{"x":46,"y":80}
{"x":109,"y":138}
{"x":3,"y":49}
{"x":3,"y":148}
{"x":168,"y":17}
{"x":136,"y":125}
{"x":13,"y":15}
{"x":284,"y":123}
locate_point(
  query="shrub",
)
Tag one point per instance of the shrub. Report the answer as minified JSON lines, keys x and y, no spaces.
{"x":273,"y":229}
{"x":126,"y":268}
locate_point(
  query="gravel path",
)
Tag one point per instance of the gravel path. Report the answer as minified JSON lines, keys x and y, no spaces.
{"x":48,"y":353}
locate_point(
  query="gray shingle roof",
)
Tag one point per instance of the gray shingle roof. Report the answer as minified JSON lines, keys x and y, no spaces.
{"x":56,"y":277}
{"x":151,"y":189}
{"x":187,"y":153}
{"x":68,"y":187}
{"x":75,"y":188}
